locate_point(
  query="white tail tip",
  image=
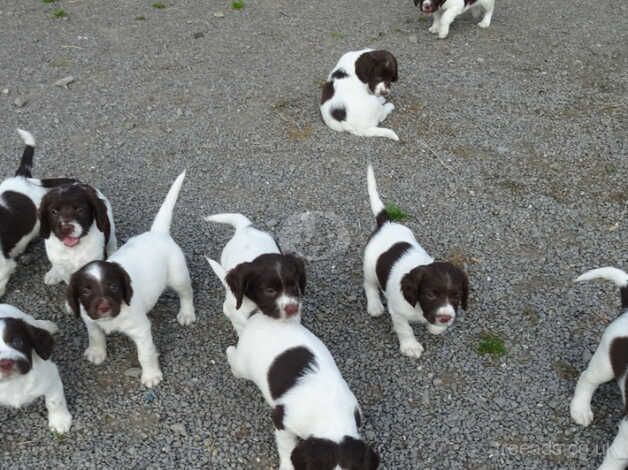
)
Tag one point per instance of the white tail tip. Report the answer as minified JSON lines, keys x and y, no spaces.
{"x":619,"y":277}
{"x":219,"y":271}
{"x":27,"y":137}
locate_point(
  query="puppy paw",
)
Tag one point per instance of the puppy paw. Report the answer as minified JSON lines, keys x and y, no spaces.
{"x":95,"y":355}
{"x":443,"y":35}
{"x":484,"y":24}
{"x":411,"y":349}
{"x":186,"y":317}
{"x":151,"y":378}
{"x":60,"y":421}
{"x":433,"y":29}
{"x":581,"y":412}
{"x":52,"y":277}
{"x":375,"y":309}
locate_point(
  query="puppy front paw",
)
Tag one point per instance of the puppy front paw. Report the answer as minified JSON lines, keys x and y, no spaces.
{"x":484,"y":23}
{"x":95,"y":355}
{"x":433,"y":29}
{"x":581,"y":412}
{"x":151,"y":378}
{"x":375,"y":309}
{"x":52,"y":277}
{"x":411,"y":349}
{"x":60,"y":421}
{"x":186,"y":317}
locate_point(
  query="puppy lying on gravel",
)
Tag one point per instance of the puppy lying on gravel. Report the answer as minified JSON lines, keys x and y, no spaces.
{"x":609,"y":362}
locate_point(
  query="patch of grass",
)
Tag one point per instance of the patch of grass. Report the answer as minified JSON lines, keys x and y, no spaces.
{"x":491,"y":344}
{"x":60,"y":13}
{"x":58,"y":437}
{"x":337,"y":35}
{"x":237,"y":5}
{"x":48,"y":1}
{"x":395,"y":212}
{"x":296,"y":133}
{"x":140,"y":18}
{"x":158,"y":5}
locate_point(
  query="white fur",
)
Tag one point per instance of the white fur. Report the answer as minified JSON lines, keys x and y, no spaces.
{"x":42,"y":380}
{"x":320,"y":404}
{"x":154,"y":262}
{"x":447,"y":13}
{"x":365,"y":111}
{"x":600,"y":371}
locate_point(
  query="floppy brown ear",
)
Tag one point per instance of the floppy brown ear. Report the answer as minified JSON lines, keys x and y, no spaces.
{"x":72,"y":294}
{"x":411,"y":284}
{"x":356,"y":454}
{"x":237,"y":279}
{"x":127,"y":289}
{"x":41,"y":340}
{"x":364,"y":67}
{"x":313,"y":453}
{"x":299,"y":264}
{"x":100,"y":212}
{"x":44,"y":223}
{"x":395,"y":73}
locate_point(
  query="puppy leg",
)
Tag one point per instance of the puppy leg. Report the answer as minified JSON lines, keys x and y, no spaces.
{"x":374,"y":305}
{"x":435,"y":22}
{"x":617,"y":454}
{"x":237,"y":319}
{"x":112,"y":245}
{"x":486,"y":21}
{"x":59,"y":418}
{"x":7,"y":266}
{"x":53,"y":277}
{"x":286,"y":442}
{"x":408,"y":344}
{"x":96,"y":352}
{"x":236,"y":367}
{"x":597,"y":372}
{"x":147,"y":354}
{"x":179,"y":280}
{"x":448,"y":17}
{"x":385,"y":110}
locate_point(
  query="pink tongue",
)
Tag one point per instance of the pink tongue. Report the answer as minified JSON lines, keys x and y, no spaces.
{"x":71,"y":241}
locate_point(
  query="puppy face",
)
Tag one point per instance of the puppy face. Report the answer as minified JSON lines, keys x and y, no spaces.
{"x":428,"y":6}
{"x":439,"y":288}
{"x":322,"y":454}
{"x":101,"y":288}
{"x":378,"y":69}
{"x":274,"y":282}
{"x":70,"y":210}
{"x":18,"y":339}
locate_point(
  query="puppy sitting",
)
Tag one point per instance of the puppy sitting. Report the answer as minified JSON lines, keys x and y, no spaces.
{"x":26,"y":371}
{"x":256,"y":274}
{"x":353,"y":98}
{"x":116,"y":295}
{"x":416,"y":287}
{"x":77,"y":225}
{"x":444,"y":12}
{"x":610,"y":361}
{"x":316,"y":416}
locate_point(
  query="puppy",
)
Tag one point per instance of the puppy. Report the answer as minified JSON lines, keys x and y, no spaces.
{"x":353,"y":98}
{"x":610,"y":361}
{"x":257,"y":276}
{"x":77,"y":225}
{"x":444,"y":12}
{"x":416,"y":287}
{"x":26,"y":371}
{"x":20,"y":197}
{"x":316,"y":416}
{"x":116,"y":295}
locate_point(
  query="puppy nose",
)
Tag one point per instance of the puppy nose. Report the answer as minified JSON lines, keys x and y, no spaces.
{"x":66,"y":229}
{"x":6,"y":364}
{"x":444,"y":318}
{"x":103,"y":306}
{"x":291,"y":309}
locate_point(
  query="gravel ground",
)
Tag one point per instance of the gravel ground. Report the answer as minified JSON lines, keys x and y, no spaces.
{"x":512,"y":158}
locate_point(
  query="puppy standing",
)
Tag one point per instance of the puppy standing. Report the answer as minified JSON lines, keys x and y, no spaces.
{"x":316,"y":416}
{"x":116,"y":295}
{"x":256,"y":274}
{"x":353,"y":98}
{"x":77,"y":225}
{"x":416,"y":287}
{"x":26,"y":371}
{"x":444,"y":12}
{"x":609,"y":362}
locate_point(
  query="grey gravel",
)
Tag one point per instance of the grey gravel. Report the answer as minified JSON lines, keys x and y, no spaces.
{"x":64,"y":82}
{"x":516,"y":163}
{"x":20,"y":102}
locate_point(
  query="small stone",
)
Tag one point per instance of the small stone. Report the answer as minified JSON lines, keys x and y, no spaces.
{"x":413,"y":39}
{"x":5,"y":91}
{"x":437,"y":382}
{"x":480,"y":60}
{"x":179,"y":428}
{"x":64,"y":82}
{"x":219,"y":14}
{"x":134,"y":372}
{"x":150,"y":396}
{"x":20,"y":102}
{"x":129,"y":125}
{"x":198,"y":35}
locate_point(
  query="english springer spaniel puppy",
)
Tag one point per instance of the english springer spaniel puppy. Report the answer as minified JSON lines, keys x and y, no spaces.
{"x":416,"y":287}
{"x":444,"y":12}
{"x":609,"y":362}
{"x":26,"y":371}
{"x":353,"y":98}
{"x":256,"y":274}
{"x":77,"y":225}
{"x":116,"y":295}
{"x":20,"y":197}
{"x":316,"y":416}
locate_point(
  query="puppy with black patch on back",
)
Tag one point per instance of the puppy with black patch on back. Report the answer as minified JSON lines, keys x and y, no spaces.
{"x":77,"y":226}
{"x":444,"y":12}
{"x":354,"y":97}
{"x":26,"y":371}
{"x":610,"y":361}
{"x":256,"y":274}
{"x":116,"y":295}
{"x":417,"y":288}
{"x":20,"y":198}
{"x":316,"y":416}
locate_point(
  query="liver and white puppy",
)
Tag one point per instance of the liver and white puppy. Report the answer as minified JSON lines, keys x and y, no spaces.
{"x":444,"y":12}
{"x":77,"y":225}
{"x":116,"y":295}
{"x":609,"y":362}
{"x":353,"y":98}
{"x":26,"y":371}
{"x":316,"y":416}
{"x":20,"y":197}
{"x":416,"y":287}
{"x":256,"y":274}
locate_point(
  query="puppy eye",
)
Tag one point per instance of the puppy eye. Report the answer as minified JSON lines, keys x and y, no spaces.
{"x":86,"y":291}
{"x":114,"y":287}
{"x":17,"y":343}
{"x":79,"y":210}
{"x":54,"y":212}
{"x":430,"y":296}
{"x":270,"y":291}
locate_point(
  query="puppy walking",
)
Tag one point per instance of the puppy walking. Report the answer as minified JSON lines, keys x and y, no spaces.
{"x":444,"y":12}
{"x":116,"y":295}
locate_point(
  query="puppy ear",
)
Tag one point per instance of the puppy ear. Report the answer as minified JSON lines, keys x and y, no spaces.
{"x":411,"y":285}
{"x":72,"y":294}
{"x":395,"y":76}
{"x":313,"y":454}
{"x":364,"y":67}
{"x":127,"y":289}
{"x":462,"y":281}
{"x":41,"y":340}
{"x":299,"y":264}
{"x":356,"y":454}
{"x":237,"y":280}
{"x":100,"y":212}
{"x":44,"y":223}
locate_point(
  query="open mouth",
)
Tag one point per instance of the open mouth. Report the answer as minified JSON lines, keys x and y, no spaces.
{"x":427,"y":8}
{"x":6,"y":366}
{"x":71,"y":241}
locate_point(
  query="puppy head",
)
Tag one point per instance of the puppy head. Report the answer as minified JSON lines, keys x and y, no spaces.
{"x":101,"y":288}
{"x":275,"y":282}
{"x":69,"y":211}
{"x":439,"y":288}
{"x":428,"y":6}
{"x":323,"y":454}
{"x":18,"y":339}
{"x":378,"y":69}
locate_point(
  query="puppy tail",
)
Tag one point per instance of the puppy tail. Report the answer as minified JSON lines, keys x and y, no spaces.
{"x":219,"y":271}
{"x":162,"y":221}
{"x":26,"y":164}
{"x":615,"y":275}
{"x":377,"y":206}
{"x":237,"y":221}
{"x":376,"y":132}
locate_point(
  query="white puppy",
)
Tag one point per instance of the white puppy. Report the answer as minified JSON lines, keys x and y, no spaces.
{"x":26,"y":371}
{"x":316,"y":416}
{"x":416,"y":287}
{"x":609,"y":362}
{"x":257,"y":276}
{"x":353,"y":98}
{"x":116,"y":295}
{"x":444,"y":12}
